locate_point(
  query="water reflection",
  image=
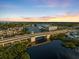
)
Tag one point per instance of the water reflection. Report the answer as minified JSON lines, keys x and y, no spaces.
{"x":53,"y":50}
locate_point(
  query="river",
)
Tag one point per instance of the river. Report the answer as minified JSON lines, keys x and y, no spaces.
{"x":53,"y":50}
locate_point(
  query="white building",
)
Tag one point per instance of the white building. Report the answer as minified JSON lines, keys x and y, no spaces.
{"x":51,"y":28}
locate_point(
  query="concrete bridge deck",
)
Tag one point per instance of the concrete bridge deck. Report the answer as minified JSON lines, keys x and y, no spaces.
{"x":19,"y":38}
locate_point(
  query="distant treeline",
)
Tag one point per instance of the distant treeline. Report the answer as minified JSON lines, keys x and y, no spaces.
{"x":5,"y":25}
{"x":19,"y":24}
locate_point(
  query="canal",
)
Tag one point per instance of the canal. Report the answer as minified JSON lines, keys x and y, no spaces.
{"x":53,"y":50}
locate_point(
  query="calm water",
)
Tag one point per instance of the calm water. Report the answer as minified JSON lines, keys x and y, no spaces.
{"x":53,"y":50}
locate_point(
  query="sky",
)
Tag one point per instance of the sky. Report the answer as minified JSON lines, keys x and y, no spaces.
{"x":37,"y":8}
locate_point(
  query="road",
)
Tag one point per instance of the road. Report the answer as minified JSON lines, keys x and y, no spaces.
{"x":26,"y":36}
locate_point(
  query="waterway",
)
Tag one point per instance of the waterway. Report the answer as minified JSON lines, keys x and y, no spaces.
{"x":53,"y":50}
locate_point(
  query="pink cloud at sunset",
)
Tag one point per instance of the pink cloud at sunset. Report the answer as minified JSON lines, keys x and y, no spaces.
{"x":65,"y":18}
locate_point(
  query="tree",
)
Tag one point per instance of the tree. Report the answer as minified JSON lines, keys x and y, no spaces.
{"x":17,"y":51}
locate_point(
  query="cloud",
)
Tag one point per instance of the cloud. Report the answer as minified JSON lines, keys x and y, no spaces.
{"x":65,"y":18}
{"x":55,"y":3}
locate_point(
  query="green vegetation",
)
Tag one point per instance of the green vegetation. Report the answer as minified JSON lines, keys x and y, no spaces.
{"x":57,"y":37}
{"x":66,"y":42}
{"x":17,"y":51}
{"x":20,"y":24}
{"x":69,"y":45}
{"x":25,"y":30}
{"x":60,"y":36}
{"x":6,"y":25}
{"x":51,"y":38}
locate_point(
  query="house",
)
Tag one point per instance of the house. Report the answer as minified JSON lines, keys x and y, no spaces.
{"x":73,"y":35}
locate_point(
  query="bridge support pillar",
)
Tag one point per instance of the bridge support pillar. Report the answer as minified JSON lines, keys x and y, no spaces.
{"x":12,"y":42}
{"x":48,"y":36}
{"x":3,"y":44}
{"x":33,"y":39}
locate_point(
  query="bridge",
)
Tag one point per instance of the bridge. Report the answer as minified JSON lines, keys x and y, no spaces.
{"x":30,"y":37}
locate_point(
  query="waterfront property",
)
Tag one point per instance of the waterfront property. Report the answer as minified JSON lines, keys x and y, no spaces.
{"x":73,"y":35}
